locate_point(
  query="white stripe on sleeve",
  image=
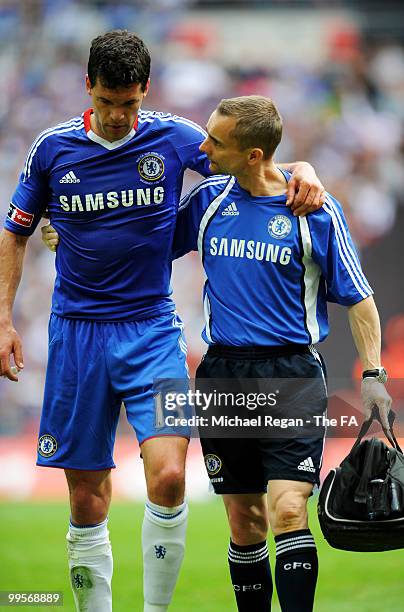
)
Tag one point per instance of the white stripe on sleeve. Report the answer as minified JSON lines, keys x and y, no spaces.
{"x":346,"y":252}
{"x":312,"y":275}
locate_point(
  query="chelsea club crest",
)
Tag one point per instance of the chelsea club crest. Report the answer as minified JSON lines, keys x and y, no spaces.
{"x":279,"y":226}
{"x":47,"y":445}
{"x":213,"y":463}
{"x":151,"y":167}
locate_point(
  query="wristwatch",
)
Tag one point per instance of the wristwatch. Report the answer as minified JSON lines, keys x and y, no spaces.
{"x":379,"y":373}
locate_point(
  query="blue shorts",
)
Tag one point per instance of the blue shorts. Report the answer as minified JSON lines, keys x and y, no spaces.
{"x":92,"y":368}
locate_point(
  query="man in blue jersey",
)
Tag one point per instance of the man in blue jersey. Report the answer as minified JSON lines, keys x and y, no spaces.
{"x":111,"y":180}
{"x":269,"y":277}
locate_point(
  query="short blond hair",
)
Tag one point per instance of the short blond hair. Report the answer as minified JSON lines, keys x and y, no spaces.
{"x":259,"y":123}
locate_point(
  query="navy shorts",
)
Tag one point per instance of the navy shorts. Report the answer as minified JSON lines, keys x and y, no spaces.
{"x":92,"y":369}
{"x":245,"y":465}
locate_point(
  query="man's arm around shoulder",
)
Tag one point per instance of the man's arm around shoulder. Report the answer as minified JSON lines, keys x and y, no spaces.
{"x":305,"y":191}
{"x":12,"y":251}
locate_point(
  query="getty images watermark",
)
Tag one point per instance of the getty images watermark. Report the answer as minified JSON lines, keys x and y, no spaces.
{"x":204,"y":401}
{"x":258,"y":408}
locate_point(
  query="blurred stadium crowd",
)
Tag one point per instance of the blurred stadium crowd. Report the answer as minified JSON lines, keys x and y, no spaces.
{"x":343,"y":111}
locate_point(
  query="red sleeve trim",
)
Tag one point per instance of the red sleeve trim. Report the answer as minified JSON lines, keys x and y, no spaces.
{"x":86,"y":117}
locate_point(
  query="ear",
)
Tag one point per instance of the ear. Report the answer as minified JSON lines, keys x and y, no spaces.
{"x":88,"y":85}
{"x":146,"y":89}
{"x":255,"y":156}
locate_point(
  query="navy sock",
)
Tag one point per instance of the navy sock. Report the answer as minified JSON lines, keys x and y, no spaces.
{"x":251,"y":576}
{"x":296,"y":570}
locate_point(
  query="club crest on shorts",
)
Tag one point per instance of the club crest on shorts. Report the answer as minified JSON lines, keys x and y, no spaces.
{"x":47,"y":445}
{"x":151,"y":167}
{"x":279,"y":226}
{"x":213,"y":464}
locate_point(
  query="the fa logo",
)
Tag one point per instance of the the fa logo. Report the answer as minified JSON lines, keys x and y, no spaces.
{"x":213,"y":464}
{"x":279,"y":226}
{"x":47,"y":445}
{"x":151,"y":167}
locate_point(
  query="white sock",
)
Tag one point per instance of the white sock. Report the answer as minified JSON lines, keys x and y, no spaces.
{"x":90,"y":564}
{"x":163,"y":541}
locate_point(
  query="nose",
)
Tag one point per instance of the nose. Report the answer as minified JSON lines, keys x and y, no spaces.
{"x":117,"y":115}
{"x":203,"y":146}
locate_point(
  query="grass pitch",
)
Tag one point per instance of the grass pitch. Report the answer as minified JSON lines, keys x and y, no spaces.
{"x":32,"y":557}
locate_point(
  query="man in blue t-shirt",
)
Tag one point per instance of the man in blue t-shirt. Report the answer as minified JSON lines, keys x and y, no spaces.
{"x":111,"y":180}
{"x":269,"y":277}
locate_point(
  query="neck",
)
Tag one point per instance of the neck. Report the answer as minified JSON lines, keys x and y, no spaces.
{"x":265,"y":180}
{"x":96,"y":128}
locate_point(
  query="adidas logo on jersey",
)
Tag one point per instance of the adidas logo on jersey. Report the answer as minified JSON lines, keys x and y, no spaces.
{"x":70,"y":177}
{"x":307,"y":465}
{"x":231,"y":209}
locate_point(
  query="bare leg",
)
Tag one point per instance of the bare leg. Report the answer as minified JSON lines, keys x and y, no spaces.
{"x":165,"y":520}
{"x":248,"y":552}
{"x":89,"y":548}
{"x":296,"y":555}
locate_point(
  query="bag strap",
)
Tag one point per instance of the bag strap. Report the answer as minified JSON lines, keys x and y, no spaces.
{"x":361,"y":493}
{"x":389,"y":433}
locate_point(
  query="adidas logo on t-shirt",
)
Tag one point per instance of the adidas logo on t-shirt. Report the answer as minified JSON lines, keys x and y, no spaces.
{"x":231,"y":209}
{"x":70,"y":177}
{"x":307,"y":465}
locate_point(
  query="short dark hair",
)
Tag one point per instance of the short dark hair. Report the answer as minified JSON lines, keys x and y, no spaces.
{"x":118,"y":59}
{"x":259,"y":123}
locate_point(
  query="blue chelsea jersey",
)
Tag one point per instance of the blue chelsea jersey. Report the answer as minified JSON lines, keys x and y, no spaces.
{"x":269,"y":274}
{"x":114,"y":206}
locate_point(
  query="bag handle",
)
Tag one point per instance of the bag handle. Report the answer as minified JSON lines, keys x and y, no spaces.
{"x":361,"y":493}
{"x":389,"y":433}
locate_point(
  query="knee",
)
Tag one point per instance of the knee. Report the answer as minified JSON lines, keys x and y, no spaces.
{"x":289,"y":512}
{"x":89,"y":501}
{"x":166,"y":487}
{"x":248,"y":524}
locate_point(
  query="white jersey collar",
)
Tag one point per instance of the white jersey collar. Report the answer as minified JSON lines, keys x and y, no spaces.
{"x":102,"y":141}
{"x":110,"y":145}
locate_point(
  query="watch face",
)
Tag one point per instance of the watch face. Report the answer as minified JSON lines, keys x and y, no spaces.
{"x":382,"y":375}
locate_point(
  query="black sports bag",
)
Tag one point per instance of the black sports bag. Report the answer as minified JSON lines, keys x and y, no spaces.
{"x":361,"y":502}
